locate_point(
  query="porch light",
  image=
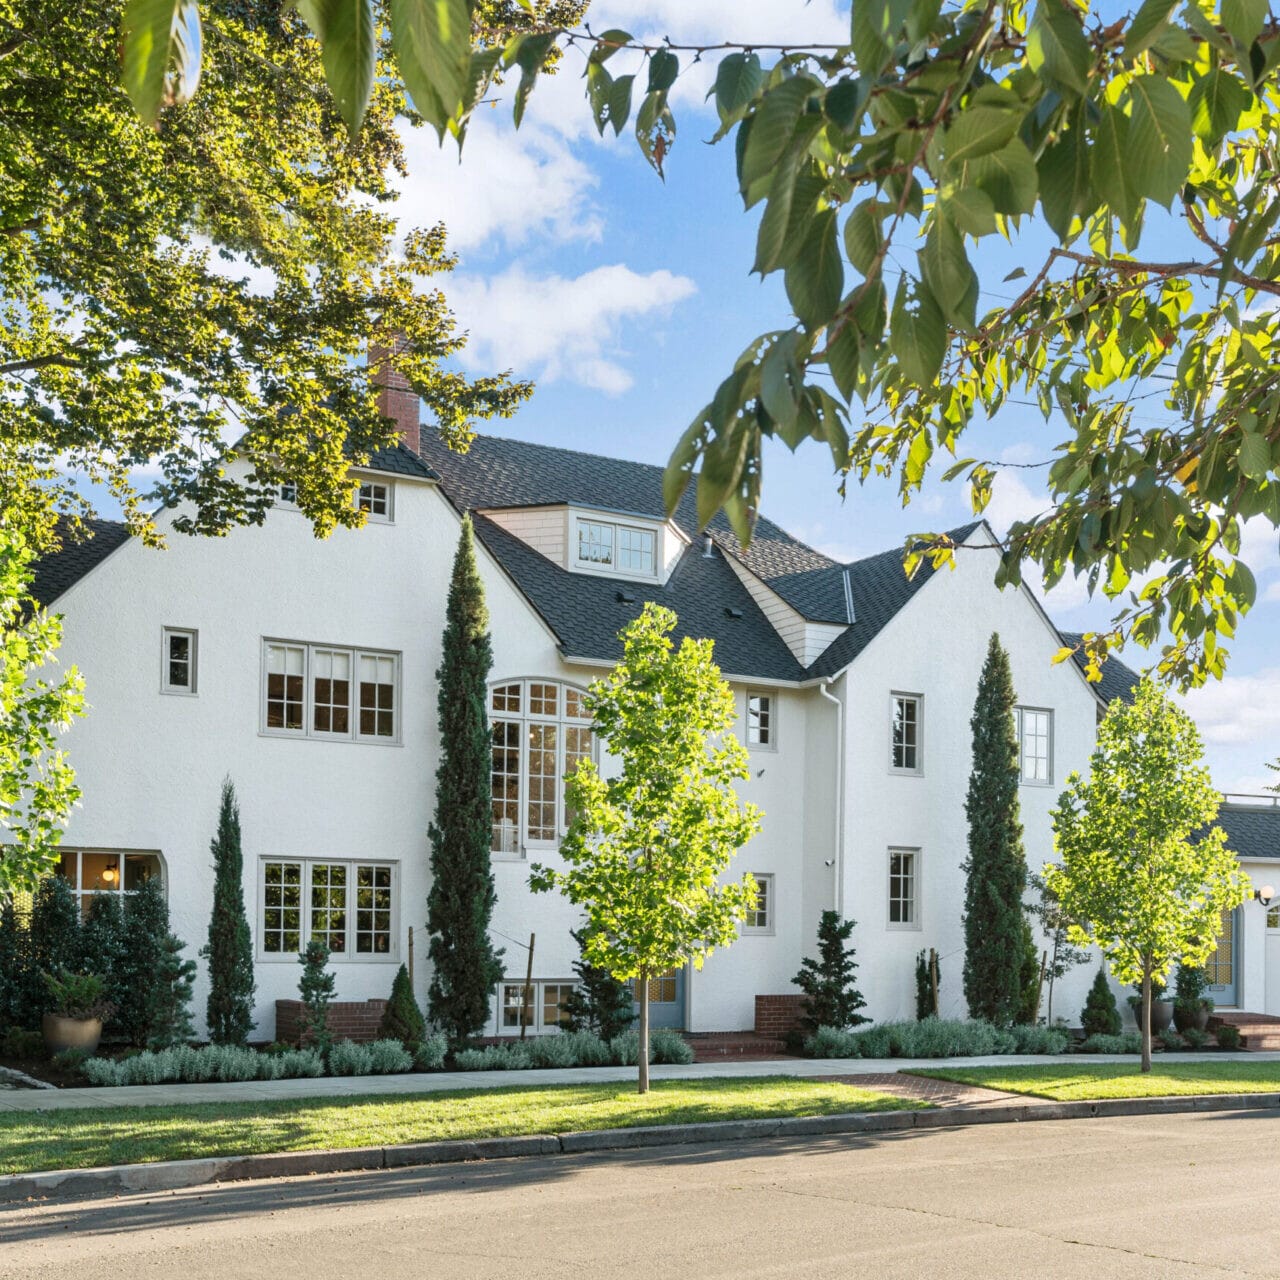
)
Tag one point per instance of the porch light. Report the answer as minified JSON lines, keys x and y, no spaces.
{"x":1265,"y":894}
{"x":109,"y":874}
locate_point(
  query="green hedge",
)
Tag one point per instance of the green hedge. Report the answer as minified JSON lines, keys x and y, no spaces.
{"x":934,"y":1038}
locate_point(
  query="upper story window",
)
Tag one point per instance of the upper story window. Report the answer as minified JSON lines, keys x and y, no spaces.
{"x":541,"y":730}
{"x":906,"y":753}
{"x":904,"y":888}
{"x":349,"y":906}
{"x":760,"y":727}
{"x":90,"y":872}
{"x":320,"y":691}
{"x":1035,"y":744}
{"x":760,"y":919}
{"x":376,"y":498}
{"x":178,"y":661}
{"x":608,"y":546}
{"x":288,"y":494}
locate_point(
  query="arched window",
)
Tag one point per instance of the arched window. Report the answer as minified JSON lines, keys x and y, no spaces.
{"x":541,"y":730}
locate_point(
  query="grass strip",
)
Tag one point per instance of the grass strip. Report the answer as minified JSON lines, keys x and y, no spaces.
{"x":1064,"y":1082}
{"x":83,"y":1139}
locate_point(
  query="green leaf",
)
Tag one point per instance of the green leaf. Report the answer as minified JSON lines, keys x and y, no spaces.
{"x":971,"y":210}
{"x":608,"y":43}
{"x":1148,"y":23}
{"x":1109,"y":163}
{"x":815,"y":277}
{"x":1063,"y":169}
{"x":655,"y":129}
{"x":1175,"y":44}
{"x":1217,"y":100}
{"x":432,"y":43}
{"x":844,"y":355}
{"x":977,"y":131}
{"x":1244,"y":19}
{"x":875,"y":27}
{"x":1056,"y":48}
{"x":946,"y":270}
{"x":917,"y":333}
{"x":348,"y":51}
{"x":738,"y":80}
{"x":863,"y":235}
{"x":1255,"y":456}
{"x":780,"y":382}
{"x":1160,"y":143}
{"x":161,"y":55}
{"x":664,"y":66}
{"x":530,"y":57}
{"x":620,"y":103}
{"x":773,"y":125}
{"x":1008,"y":177}
{"x":779,"y":213}
{"x":845,"y":101}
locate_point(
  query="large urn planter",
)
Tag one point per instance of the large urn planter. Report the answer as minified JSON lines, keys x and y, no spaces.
{"x":1187,"y":1017}
{"x":1161,"y":1014}
{"x":70,"y":1033}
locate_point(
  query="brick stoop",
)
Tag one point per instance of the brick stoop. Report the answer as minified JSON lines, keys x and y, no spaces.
{"x":734,"y":1046}
{"x":1257,"y":1030}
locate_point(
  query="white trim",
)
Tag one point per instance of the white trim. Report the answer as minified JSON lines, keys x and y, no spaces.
{"x":613,"y":570}
{"x":916,"y":770}
{"x":81,"y":850}
{"x":917,"y":911}
{"x":771,"y":721}
{"x":193,"y":662}
{"x":1020,"y":723}
{"x":768,"y":881}
{"x":537,"y":1007}
{"x":382,"y":482}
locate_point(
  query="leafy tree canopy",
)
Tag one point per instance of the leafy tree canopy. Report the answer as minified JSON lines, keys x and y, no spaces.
{"x":879,"y":164}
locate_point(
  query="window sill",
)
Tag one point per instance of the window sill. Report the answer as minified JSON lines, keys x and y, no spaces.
{"x":902,"y":928}
{"x":288,"y":735}
{"x":285,"y":957}
{"x":905,"y":773}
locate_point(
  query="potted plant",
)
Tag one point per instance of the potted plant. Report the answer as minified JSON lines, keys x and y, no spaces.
{"x":1191,"y":1007}
{"x":79,"y":1011}
{"x":1161,"y":1009}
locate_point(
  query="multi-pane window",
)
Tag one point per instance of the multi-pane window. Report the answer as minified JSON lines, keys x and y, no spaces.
{"x":663,"y":989}
{"x":904,"y":871}
{"x":760,"y":720}
{"x":289,"y":494}
{"x":89,"y":872}
{"x":349,"y":906}
{"x":308,"y":691}
{"x":518,"y":1004}
{"x":760,"y":918}
{"x":627,"y":548}
{"x":905,"y":754}
{"x":178,"y":661}
{"x":541,"y":732}
{"x":538,"y":1006}
{"x":1035,"y":744}
{"x":554,"y":996}
{"x":1273,"y":917}
{"x":374,"y":498}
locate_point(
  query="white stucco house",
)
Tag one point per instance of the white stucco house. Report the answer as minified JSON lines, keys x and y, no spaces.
{"x":304,"y":670}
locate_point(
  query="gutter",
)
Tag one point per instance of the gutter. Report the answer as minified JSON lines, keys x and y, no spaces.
{"x":837,"y":888}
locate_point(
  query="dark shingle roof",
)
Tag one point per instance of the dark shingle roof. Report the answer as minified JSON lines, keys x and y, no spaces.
{"x":59,"y":570}
{"x":400,"y":460}
{"x":1253,"y":831}
{"x":1117,"y":680}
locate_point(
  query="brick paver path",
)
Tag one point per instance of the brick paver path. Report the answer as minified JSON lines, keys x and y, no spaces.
{"x":941,"y":1093}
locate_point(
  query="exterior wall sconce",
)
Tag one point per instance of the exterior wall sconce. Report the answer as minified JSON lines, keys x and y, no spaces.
{"x":1265,"y":894}
{"x":110,"y":874}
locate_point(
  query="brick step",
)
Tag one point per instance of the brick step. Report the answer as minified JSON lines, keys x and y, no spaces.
{"x":1269,"y":1020}
{"x":1255,"y":1043}
{"x":716,"y":1046}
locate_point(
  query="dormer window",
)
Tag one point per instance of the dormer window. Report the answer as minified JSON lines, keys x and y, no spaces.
{"x":374,"y":498}
{"x":607,"y":546}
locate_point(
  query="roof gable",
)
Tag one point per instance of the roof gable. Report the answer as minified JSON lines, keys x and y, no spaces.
{"x":60,"y":570}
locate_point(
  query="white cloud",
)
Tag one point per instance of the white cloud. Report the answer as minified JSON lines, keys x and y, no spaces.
{"x":557,"y":328}
{"x":1240,"y":709}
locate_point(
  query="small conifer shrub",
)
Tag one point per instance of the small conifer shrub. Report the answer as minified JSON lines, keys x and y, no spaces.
{"x":402,"y":1019}
{"x":316,"y":987}
{"x":831,"y":999}
{"x":1100,"y":1017}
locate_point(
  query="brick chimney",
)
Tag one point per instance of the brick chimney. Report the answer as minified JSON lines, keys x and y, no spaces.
{"x":396,"y":398}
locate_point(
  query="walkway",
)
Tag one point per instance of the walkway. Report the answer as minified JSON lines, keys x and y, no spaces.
{"x":856,"y":1069}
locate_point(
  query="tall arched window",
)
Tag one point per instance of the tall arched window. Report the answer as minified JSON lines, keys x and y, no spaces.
{"x":541,"y":730}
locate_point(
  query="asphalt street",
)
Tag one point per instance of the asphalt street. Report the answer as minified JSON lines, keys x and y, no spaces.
{"x":1176,"y":1196}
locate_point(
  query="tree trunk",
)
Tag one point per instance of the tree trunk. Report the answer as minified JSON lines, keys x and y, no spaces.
{"x":643,"y":1058}
{"x":1146,"y":1017}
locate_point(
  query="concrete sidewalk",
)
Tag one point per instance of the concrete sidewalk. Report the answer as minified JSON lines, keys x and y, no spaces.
{"x":154,"y":1095}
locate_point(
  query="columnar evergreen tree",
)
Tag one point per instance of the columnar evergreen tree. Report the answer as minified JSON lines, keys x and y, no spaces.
{"x":317,"y":987}
{"x":465,"y":964}
{"x":402,"y":1019}
{"x":12,"y":965}
{"x":146,"y":932}
{"x":831,"y":999}
{"x":229,"y":1012}
{"x":600,"y":1002}
{"x":53,"y":941}
{"x":103,"y":951}
{"x":996,"y":868}
{"x":168,"y":1006}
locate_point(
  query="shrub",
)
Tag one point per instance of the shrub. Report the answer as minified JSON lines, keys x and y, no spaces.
{"x":588,"y":1049}
{"x":300,"y":1064}
{"x":1195,"y":1038}
{"x":599,"y":1003}
{"x":932,"y":1038}
{"x":78,"y":995}
{"x":346,"y":1058}
{"x":24,"y":1045}
{"x":1170,"y":1039}
{"x":494,"y":1057}
{"x":1130,"y":1042}
{"x":1228,"y":1036}
{"x":232,"y":1062}
{"x":103,"y":1072}
{"x":553,"y":1051}
{"x":316,"y":987}
{"x":1040,"y":1039}
{"x":153,"y":1012}
{"x":71,"y":1061}
{"x":53,"y":942}
{"x":1101,"y":1016}
{"x":831,"y":999}
{"x":104,"y":950}
{"x":669,"y":1046}
{"x":389,"y":1057}
{"x":429,"y":1055}
{"x":625,"y":1049}
{"x":402,"y":1020}
{"x":168,"y":1005}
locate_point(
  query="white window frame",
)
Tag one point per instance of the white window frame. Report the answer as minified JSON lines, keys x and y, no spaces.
{"x":307,"y":731}
{"x":84,"y":895}
{"x":287,"y":495}
{"x":193,"y":662}
{"x":767,"y":882}
{"x":1020,"y":722}
{"x":1273,"y":914}
{"x":391,"y":956}
{"x":524,"y":719}
{"x":616,"y":527}
{"x":917,"y":770}
{"x":389,"y":498}
{"x":916,"y":898}
{"x":537,"y":1006}
{"x":770,"y":742}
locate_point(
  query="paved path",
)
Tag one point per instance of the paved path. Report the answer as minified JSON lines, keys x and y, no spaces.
{"x":1138,"y":1198}
{"x":348,"y":1086}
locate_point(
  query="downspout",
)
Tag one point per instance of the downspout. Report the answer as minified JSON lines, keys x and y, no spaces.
{"x":837,"y":888}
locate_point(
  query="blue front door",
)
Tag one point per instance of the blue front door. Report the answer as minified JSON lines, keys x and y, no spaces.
{"x":1224,"y":964}
{"x":666,"y":1000}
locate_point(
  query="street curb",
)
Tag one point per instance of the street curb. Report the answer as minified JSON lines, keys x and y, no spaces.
{"x":170,"y":1175}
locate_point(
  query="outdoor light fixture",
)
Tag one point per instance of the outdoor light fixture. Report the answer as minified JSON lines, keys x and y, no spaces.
{"x":1265,"y":894}
{"x":109,"y":874}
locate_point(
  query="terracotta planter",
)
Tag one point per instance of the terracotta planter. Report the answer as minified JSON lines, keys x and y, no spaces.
{"x":71,"y":1033}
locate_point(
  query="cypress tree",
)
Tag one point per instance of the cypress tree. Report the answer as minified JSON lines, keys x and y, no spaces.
{"x":600,"y":1002}
{"x":831,"y":999}
{"x":996,"y":868}
{"x":465,"y":965}
{"x":229,"y":1012}
{"x":146,"y":932}
{"x":317,"y":987}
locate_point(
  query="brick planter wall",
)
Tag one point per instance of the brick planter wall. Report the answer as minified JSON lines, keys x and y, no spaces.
{"x":776,"y":1015}
{"x":348,"y":1019}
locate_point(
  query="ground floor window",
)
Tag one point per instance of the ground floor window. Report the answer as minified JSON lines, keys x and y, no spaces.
{"x":541,"y":1008}
{"x":350,"y":906}
{"x":90,"y":871}
{"x":904,"y":888}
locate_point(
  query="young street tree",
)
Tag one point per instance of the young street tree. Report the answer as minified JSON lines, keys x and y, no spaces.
{"x":229,"y":951}
{"x":646,"y":848}
{"x":465,"y":965}
{"x":1143,"y":874}
{"x":996,"y":868}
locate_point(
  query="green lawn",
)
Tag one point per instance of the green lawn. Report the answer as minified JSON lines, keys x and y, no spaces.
{"x":75,"y":1139}
{"x":1077,"y":1083}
